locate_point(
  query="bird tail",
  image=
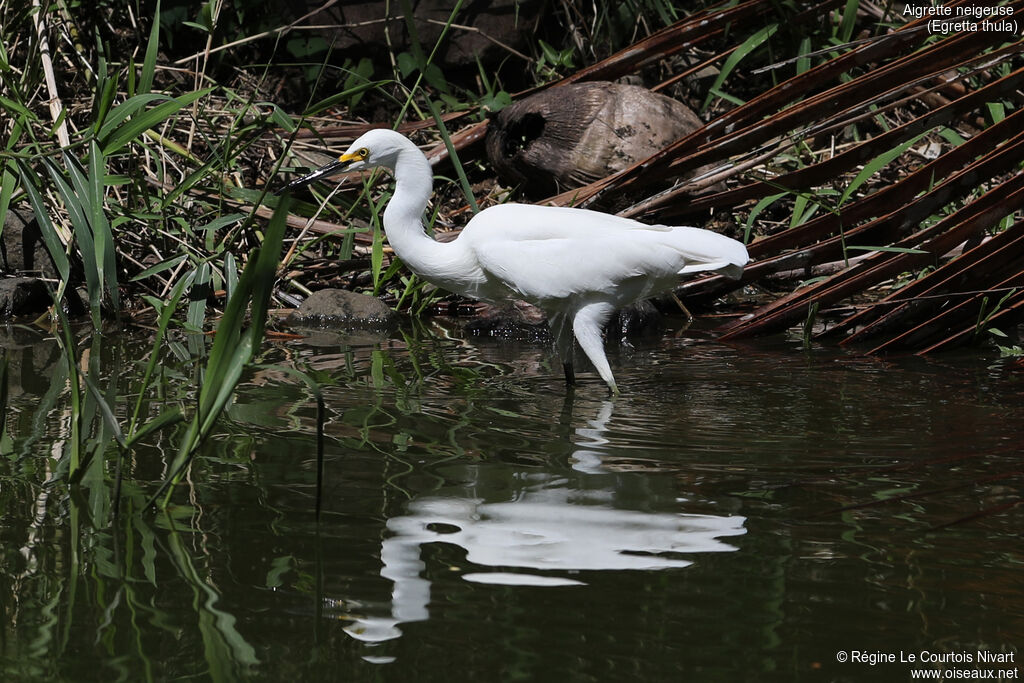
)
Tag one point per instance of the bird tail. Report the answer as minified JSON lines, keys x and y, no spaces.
{"x":733,"y":271}
{"x":705,"y":250}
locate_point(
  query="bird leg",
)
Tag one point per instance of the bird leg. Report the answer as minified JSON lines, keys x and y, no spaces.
{"x":570,"y":375}
{"x":561,"y":331}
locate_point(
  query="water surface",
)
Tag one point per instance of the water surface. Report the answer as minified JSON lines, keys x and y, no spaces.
{"x":740,"y":512}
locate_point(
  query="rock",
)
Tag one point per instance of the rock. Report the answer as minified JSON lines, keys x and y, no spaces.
{"x":22,"y":250}
{"x":641,"y":319}
{"x":512,"y":320}
{"x":22,"y":297}
{"x":342,"y":308}
{"x":568,"y":136}
{"x":521,"y":321}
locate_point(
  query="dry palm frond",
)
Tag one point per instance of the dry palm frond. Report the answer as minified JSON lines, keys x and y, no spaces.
{"x":925,"y":84}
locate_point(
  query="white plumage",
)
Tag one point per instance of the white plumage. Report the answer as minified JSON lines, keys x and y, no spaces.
{"x":577,"y":266}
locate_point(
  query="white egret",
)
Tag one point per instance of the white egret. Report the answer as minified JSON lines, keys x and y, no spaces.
{"x":577,"y":266}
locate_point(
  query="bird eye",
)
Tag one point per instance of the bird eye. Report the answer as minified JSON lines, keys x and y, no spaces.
{"x":363,"y":152}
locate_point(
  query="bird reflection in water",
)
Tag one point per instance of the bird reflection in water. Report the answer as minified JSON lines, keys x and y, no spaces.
{"x":553,"y":527}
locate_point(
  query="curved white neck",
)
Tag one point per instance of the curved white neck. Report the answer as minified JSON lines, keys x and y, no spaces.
{"x":447,"y":264}
{"x":403,"y":216}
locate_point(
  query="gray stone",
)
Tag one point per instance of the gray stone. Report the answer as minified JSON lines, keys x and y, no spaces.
{"x":22,"y":297}
{"x":519,"y":320}
{"x":22,"y":250}
{"x":342,"y":308}
{"x":511,"y":320}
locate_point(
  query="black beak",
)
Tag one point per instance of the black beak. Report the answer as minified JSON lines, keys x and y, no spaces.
{"x":323,"y":171}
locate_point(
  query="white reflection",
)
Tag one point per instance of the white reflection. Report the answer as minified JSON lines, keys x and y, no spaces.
{"x":587,"y":458}
{"x":551,"y":525}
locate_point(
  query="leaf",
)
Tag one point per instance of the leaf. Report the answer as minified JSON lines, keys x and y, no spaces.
{"x":105,"y":410}
{"x":106,"y":91}
{"x":344,"y":95}
{"x":197,"y":296}
{"x":221,"y":222}
{"x":9,"y":105}
{"x":849,"y":18}
{"x":279,"y":566}
{"x":165,"y":309}
{"x":951,"y":136}
{"x":49,"y":234}
{"x":278,"y":116}
{"x":230,"y":273}
{"x":406,"y":64}
{"x":139,"y":123}
{"x":122,"y":111}
{"x":103,"y":238}
{"x":997,"y":111}
{"x":166,"y":264}
{"x":152,"y":51}
{"x":7,"y":178}
{"x":803,"y":63}
{"x":748,"y":46}
{"x":877,"y":164}
{"x":763,"y":204}
{"x":171,"y":416}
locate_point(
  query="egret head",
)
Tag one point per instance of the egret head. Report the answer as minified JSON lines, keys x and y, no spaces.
{"x":378,"y":147}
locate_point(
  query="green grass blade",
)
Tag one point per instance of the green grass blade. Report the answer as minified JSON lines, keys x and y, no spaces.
{"x":227,"y":340}
{"x":171,"y":416}
{"x":748,"y":46}
{"x":344,"y":95}
{"x":763,"y":204}
{"x":106,"y":258}
{"x":376,"y":252}
{"x":196,"y":314}
{"x":193,"y":179}
{"x":7,"y":178}
{"x":876,"y":164}
{"x":106,"y":91}
{"x":139,"y":123}
{"x":232,"y":350}
{"x":160,"y":267}
{"x":9,"y":106}
{"x":803,"y":63}
{"x":453,"y":156}
{"x":46,"y":228}
{"x":165,"y":310}
{"x":230,"y":274}
{"x":127,"y":108}
{"x":70,"y":352}
{"x":76,"y":201}
{"x":214,"y":397}
{"x":951,"y":136}
{"x":266,"y":269}
{"x":849,"y":20}
{"x":152,"y":50}
{"x":105,"y":410}
{"x":997,"y":111}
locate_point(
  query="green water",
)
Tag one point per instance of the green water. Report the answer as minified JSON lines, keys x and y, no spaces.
{"x":740,"y":513}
